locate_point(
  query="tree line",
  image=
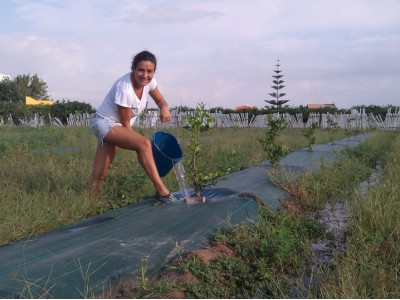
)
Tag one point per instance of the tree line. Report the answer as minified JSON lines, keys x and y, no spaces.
{"x":21,"y":86}
{"x":13,"y":93}
{"x":12,"y":100}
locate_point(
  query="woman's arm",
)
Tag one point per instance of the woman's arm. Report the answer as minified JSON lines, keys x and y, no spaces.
{"x":165,"y":114}
{"x":125,"y":114}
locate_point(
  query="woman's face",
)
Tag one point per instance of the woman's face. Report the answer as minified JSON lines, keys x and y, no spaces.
{"x":143,"y":73}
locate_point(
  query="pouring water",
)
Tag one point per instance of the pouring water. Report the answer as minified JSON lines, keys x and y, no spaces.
{"x":180,"y":177}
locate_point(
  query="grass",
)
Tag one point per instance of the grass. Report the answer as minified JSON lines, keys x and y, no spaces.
{"x":43,"y":187}
{"x":370,"y":266}
{"x":333,"y":181}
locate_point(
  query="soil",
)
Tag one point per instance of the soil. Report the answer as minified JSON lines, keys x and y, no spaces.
{"x":291,"y":205}
{"x":128,"y":287}
{"x":209,"y":254}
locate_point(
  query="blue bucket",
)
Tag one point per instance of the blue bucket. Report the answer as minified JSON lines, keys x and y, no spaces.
{"x":166,"y":151}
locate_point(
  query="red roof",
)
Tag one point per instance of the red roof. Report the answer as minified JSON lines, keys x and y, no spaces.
{"x":244,"y":106}
{"x":320,"y":105}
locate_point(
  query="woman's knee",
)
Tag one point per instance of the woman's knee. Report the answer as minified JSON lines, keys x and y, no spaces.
{"x":145,"y":146}
{"x":148,"y":144}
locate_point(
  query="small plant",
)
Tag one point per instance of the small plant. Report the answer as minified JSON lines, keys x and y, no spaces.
{"x":333,"y":127}
{"x":87,"y":272}
{"x":272,"y":149}
{"x":199,"y":122}
{"x":143,"y":271}
{"x":309,"y":133}
{"x":142,"y":119}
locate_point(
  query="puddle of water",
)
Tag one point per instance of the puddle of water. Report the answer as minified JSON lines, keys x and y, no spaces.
{"x":180,"y":177}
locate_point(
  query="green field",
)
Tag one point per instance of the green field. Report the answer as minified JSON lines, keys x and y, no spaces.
{"x":44,"y":175}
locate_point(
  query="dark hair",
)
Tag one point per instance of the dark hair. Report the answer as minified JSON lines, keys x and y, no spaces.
{"x":144,"y":55}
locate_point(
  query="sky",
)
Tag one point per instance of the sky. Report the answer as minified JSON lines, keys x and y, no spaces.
{"x":222,"y":53}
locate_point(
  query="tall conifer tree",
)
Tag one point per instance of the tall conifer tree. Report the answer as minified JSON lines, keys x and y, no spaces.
{"x":278,"y":86}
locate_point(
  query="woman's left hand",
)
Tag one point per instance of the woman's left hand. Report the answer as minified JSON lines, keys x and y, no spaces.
{"x":165,"y":114}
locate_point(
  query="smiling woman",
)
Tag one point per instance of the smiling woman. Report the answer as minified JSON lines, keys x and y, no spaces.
{"x":114,"y":118}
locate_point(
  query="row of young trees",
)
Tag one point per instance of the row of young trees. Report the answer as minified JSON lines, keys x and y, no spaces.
{"x":304,"y":110}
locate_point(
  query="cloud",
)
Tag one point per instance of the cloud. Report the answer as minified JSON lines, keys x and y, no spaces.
{"x":170,"y":15}
{"x":219,"y":51}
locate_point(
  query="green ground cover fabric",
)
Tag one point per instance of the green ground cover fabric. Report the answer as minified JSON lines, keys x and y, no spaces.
{"x":88,"y":256}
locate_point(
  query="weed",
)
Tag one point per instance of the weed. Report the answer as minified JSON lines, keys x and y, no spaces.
{"x":143,"y":271}
{"x":35,"y":290}
{"x":333,"y":128}
{"x":86,"y":272}
{"x":349,"y":129}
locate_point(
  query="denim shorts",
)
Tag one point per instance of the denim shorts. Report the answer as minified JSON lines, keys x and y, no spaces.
{"x":101,"y":126}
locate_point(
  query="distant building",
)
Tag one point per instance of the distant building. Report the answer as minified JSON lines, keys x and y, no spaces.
{"x":31,"y":101}
{"x":321,"y":105}
{"x":4,"y":76}
{"x":244,"y":106}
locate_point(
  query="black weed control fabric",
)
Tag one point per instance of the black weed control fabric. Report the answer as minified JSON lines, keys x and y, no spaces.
{"x":78,"y":260}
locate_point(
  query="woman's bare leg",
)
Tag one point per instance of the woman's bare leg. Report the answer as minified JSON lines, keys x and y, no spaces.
{"x":104,"y":156}
{"x":127,"y":138}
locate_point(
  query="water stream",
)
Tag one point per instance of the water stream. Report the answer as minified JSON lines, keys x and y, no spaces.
{"x":180,"y":177}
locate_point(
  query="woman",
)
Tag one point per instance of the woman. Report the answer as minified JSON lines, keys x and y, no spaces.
{"x":114,"y":118}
